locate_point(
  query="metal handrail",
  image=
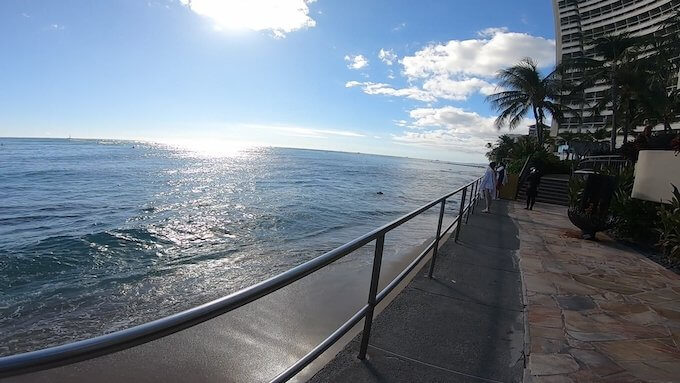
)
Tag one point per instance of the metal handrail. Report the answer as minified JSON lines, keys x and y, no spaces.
{"x":522,"y":174}
{"x":591,"y":164}
{"x":105,"y":344}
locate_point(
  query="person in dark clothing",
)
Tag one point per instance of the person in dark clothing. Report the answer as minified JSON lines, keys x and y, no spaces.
{"x":533,"y":180}
{"x":502,"y":180}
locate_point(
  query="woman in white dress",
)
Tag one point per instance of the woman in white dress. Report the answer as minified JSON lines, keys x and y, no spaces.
{"x":488,"y":185}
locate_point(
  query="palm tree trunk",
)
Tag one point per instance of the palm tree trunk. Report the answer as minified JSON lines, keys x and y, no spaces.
{"x":626,"y":122}
{"x":614,"y":108}
{"x":539,"y":127}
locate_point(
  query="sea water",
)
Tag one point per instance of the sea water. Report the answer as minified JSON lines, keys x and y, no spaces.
{"x":98,"y":235}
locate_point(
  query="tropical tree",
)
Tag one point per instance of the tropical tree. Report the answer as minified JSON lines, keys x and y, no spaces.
{"x":615,"y":64}
{"x":566,"y":138}
{"x":659,"y":97}
{"x":524,"y":89}
{"x":660,"y":106}
{"x":502,"y":149}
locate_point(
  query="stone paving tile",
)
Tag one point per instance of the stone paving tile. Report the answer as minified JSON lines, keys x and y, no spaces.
{"x":642,"y":350}
{"x":598,"y":363}
{"x":596,"y":310}
{"x":552,"y":364}
{"x":546,"y":317}
{"x":655,"y":371}
{"x":553,"y":379}
{"x":547,"y":332}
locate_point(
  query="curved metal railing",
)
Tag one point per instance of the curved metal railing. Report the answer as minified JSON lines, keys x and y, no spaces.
{"x":594,"y":164}
{"x":106,"y":344}
{"x":523,"y":174}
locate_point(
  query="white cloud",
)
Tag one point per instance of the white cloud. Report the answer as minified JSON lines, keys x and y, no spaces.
{"x":490,"y":32}
{"x":356,"y":62}
{"x":452,"y":128}
{"x":387,"y":56}
{"x":452,"y":118}
{"x":479,"y":57}
{"x":297,"y":131}
{"x":457,"y":69}
{"x":278,"y":16}
{"x":450,"y":89}
{"x":387,"y":90}
{"x":57,"y":27}
{"x":399,"y":27}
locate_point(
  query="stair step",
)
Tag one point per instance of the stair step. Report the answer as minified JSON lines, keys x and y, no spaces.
{"x":551,"y":190}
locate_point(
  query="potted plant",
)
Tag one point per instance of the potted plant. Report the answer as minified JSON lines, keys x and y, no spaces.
{"x":589,"y":203}
{"x":669,"y":231}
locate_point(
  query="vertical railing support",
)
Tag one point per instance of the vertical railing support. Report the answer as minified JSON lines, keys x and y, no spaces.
{"x":476,"y":193}
{"x":460,"y":213}
{"x":435,"y":249}
{"x":469,"y":208}
{"x":373,"y":291}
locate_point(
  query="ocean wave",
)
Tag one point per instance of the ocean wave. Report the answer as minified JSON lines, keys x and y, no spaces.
{"x":96,"y":238}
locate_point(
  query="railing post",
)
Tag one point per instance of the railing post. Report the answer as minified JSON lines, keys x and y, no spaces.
{"x":435,"y":249}
{"x":460,"y":213}
{"x":476,"y":193}
{"x":467,"y":216}
{"x":373,"y":290}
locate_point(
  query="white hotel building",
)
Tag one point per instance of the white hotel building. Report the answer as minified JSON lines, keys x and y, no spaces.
{"x":579,"y":21}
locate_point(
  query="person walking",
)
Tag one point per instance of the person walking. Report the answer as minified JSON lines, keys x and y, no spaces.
{"x":502,"y":179}
{"x":488,"y":185}
{"x":534,"y":179}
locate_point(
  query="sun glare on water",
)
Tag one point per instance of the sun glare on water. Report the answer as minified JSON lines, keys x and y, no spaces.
{"x":212,"y":147}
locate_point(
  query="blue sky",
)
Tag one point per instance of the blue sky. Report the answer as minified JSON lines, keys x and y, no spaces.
{"x":403,"y":78}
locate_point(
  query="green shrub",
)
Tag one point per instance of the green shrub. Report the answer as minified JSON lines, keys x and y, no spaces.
{"x":576,"y":186}
{"x":632,"y":218}
{"x":669,"y":228}
{"x":515,"y":166}
{"x":548,"y":163}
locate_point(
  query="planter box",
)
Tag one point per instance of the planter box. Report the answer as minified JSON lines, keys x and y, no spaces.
{"x":509,"y":190}
{"x":655,"y":171}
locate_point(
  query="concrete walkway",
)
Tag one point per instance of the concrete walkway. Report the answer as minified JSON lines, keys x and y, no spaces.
{"x":597,"y":311}
{"x":465,"y":325}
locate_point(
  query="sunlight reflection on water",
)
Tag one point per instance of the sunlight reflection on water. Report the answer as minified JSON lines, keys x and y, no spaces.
{"x":96,"y":237}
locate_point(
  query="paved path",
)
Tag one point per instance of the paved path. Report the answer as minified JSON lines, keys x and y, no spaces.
{"x":465,"y":325}
{"x":597,"y":311}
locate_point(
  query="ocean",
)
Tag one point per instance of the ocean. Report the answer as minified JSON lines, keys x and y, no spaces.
{"x":100,"y":235}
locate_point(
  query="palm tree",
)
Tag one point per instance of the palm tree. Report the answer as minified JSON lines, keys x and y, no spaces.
{"x":615,"y":64}
{"x":502,"y":149}
{"x":659,"y":98}
{"x":567,"y":138}
{"x":526,"y":89}
{"x":660,"y":106}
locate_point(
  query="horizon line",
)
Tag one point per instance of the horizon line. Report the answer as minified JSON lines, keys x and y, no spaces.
{"x":471,"y":164}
